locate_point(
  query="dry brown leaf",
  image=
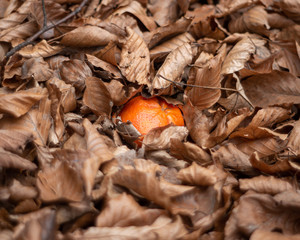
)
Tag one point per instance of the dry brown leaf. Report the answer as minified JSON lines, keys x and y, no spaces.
{"x":276,"y":87}
{"x":74,"y":72}
{"x":290,"y":8}
{"x":136,"y":9}
{"x":88,"y":36}
{"x":165,"y":12}
{"x":110,"y":53}
{"x":163,"y":228}
{"x":280,"y":166}
{"x":135,"y":59}
{"x":254,"y":20}
{"x":154,"y":37}
{"x":240,"y":54}
{"x":197,"y":175}
{"x":12,"y":20}
{"x":263,"y":184}
{"x":171,"y":45}
{"x":11,"y":160}
{"x":37,"y":69}
{"x":97,"y":97}
{"x":41,"y":49}
{"x":159,"y":138}
{"x":189,"y":152}
{"x":19,"y":103}
{"x":20,"y":31}
{"x":270,"y":235}
{"x":172,"y":69}
{"x":124,"y":211}
{"x":294,"y":139}
{"x":14,"y":141}
{"x":262,"y":211}
{"x":65,"y":94}
{"x":54,"y":11}
{"x":60,"y":183}
{"x":36,"y":122}
{"x":208,"y":76}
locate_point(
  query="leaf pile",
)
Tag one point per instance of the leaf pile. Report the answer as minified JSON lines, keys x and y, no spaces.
{"x":69,"y":167}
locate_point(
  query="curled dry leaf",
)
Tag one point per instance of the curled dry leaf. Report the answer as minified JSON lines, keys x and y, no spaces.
{"x":208,"y":76}
{"x":124,"y":211}
{"x":88,"y":36}
{"x":135,"y":59}
{"x":19,"y":103}
{"x":270,"y":235}
{"x":277,"y":87}
{"x":12,"y":20}
{"x":290,"y":8}
{"x":19,"y":192}
{"x":159,"y":138}
{"x":165,"y":12}
{"x":97,"y":97}
{"x":60,"y":183}
{"x":11,"y":160}
{"x":263,"y":184}
{"x":172,"y":69}
{"x":197,"y":175}
{"x":240,"y":54}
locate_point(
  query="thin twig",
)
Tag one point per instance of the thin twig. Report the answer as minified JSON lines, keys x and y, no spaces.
{"x":44,"y":13}
{"x":205,"y":87}
{"x":45,"y":29}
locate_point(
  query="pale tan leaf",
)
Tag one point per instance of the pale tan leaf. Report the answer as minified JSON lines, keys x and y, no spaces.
{"x":172,"y":69}
{"x":171,"y":44}
{"x":60,"y":183}
{"x":11,"y":160}
{"x":41,"y":49}
{"x":240,"y":54}
{"x":197,"y":175}
{"x":124,"y":211}
{"x":110,"y":53}
{"x":36,"y":122}
{"x":264,"y":184}
{"x":97,"y":97}
{"x":135,"y":59}
{"x":277,"y":87}
{"x":19,"y":103}
{"x":88,"y":36}
{"x":136,"y":9}
{"x":208,"y":76}
{"x":159,"y":138}
{"x":19,"y":192}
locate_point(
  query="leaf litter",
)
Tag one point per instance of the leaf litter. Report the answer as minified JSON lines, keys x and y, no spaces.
{"x":70,"y":169}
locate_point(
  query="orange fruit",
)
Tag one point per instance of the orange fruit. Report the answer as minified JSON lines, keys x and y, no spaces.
{"x":146,"y":114}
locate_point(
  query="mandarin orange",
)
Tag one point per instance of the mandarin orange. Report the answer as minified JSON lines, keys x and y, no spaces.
{"x":146,"y":114}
